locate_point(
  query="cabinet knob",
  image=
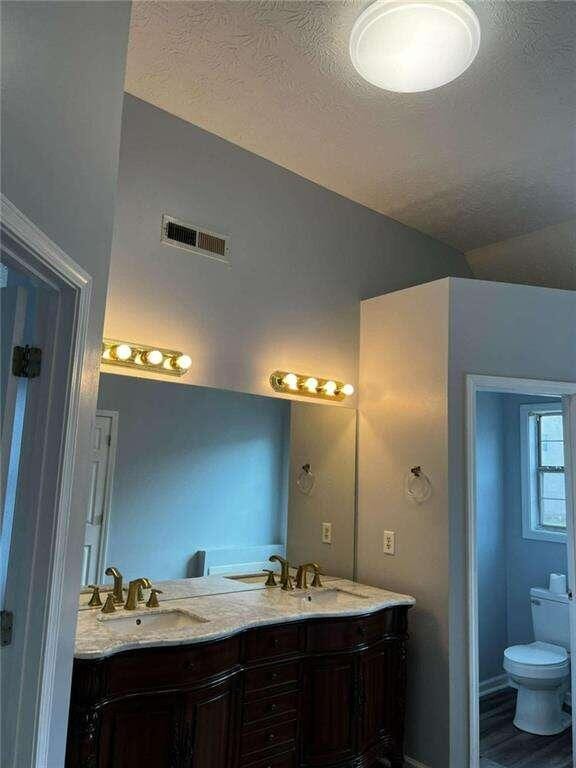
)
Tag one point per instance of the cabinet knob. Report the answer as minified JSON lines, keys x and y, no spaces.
{"x":361,"y":630}
{"x":189,"y":665}
{"x":274,"y":675}
{"x":273,"y":707}
{"x":271,"y":736}
{"x":275,"y":642}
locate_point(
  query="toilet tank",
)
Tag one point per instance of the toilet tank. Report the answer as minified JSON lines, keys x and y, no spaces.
{"x":550,"y":617}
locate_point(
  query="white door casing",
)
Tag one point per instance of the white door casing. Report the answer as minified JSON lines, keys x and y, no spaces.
{"x":98,"y":508}
{"x":52,"y":465}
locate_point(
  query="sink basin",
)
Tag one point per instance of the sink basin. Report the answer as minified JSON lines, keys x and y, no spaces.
{"x":157,"y":621}
{"x":327,"y":597}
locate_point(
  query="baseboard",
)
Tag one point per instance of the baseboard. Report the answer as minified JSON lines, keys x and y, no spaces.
{"x":414,"y":763}
{"x":493,"y":684}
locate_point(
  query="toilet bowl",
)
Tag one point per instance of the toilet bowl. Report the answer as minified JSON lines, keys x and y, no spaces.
{"x":541,"y":674}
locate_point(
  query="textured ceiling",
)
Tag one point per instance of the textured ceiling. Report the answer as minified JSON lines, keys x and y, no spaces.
{"x":546,"y":258}
{"x":488,"y":157}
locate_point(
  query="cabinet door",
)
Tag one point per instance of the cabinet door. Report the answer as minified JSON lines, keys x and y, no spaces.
{"x":328,"y":716}
{"x":381,"y":695}
{"x":211,"y":727}
{"x":143,"y":731}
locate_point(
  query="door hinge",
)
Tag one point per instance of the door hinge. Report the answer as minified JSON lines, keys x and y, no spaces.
{"x":26,"y":362}
{"x":109,"y":441}
{"x":6,"y":624}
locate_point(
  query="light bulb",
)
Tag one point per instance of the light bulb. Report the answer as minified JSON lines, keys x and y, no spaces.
{"x":122,"y":352}
{"x":290,"y":381}
{"x":183,"y":362}
{"x":347,"y":390}
{"x":311,"y":385}
{"x":153,"y":357}
{"x":330,"y":387}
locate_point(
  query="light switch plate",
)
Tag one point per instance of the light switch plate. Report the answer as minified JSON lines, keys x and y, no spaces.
{"x":389,"y":543}
{"x":326,"y":533}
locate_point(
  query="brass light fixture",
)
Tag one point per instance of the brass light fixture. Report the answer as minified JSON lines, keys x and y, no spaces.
{"x":144,"y":357}
{"x":310,"y":386}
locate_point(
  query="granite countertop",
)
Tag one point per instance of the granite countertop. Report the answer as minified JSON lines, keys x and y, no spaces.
{"x":220,"y":614}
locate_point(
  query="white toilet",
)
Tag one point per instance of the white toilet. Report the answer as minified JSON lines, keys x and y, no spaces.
{"x":541,"y":670}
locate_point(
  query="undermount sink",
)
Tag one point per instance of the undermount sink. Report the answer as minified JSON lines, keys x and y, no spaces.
{"x":327,"y":596}
{"x":159,"y":621}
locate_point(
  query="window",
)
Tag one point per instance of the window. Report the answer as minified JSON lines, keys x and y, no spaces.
{"x":543,"y":485}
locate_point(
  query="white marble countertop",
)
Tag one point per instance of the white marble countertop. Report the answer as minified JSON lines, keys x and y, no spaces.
{"x":223,"y":614}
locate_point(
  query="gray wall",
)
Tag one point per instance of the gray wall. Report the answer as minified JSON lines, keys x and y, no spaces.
{"x":501,"y":330}
{"x":302,"y":258}
{"x":326,"y":439}
{"x":196,"y":468}
{"x":62,"y":90}
{"x":491,"y":533}
{"x":403,"y":422}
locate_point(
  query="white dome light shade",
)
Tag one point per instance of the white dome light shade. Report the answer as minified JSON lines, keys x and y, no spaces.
{"x":414,"y":45}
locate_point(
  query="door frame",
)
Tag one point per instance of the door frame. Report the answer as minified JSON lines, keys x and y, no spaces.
{"x":506,"y":385}
{"x":108,"y":487}
{"x":59,"y":406}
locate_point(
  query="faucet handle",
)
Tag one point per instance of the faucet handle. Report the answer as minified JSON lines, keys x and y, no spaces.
{"x":95,"y":601}
{"x":316,"y":580}
{"x":271,"y":580}
{"x":110,"y":604}
{"x":153,"y":599}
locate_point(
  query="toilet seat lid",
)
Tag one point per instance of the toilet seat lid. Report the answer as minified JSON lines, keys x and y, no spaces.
{"x":537,"y":654}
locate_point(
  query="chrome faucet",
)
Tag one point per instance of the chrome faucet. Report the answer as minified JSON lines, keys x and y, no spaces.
{"x":117,"y":576}
{"x":285,"y":578}
{"x":134,"y":590}
{"x":301,"y":582}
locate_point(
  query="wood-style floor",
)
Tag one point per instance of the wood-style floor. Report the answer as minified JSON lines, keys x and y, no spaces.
{"x":507,"y":747}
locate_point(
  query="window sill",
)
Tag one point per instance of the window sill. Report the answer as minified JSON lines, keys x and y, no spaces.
{"x":542,"y":534}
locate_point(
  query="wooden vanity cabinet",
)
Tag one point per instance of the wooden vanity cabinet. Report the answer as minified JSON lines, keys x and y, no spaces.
{"x":323,"y":692}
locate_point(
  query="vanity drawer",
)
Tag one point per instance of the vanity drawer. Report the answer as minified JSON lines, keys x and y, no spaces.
{"x":267,"y":679}
{"x":343,"y":634}
{"x":286,"y":760}
{"x":170,"y":667}
{"x":272,"y":706}
{"x":274,"y":737}
{"x":271,"y":642}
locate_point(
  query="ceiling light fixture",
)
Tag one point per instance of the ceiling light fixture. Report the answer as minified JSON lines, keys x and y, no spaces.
{"x":414,"y":45}
{"x":142,"y":357}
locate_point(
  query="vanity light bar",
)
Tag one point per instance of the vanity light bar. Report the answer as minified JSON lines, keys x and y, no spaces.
{"x":310,"y":386}
{"x":143,"y":357}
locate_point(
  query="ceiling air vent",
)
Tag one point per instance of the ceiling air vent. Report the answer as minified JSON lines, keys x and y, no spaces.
{"x":191,"y":238}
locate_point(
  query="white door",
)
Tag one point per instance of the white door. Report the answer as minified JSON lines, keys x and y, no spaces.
{"x":97,"y":512}
{"x":569,"y":403}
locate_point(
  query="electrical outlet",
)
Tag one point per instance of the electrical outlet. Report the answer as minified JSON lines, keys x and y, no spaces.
{"x":389,"y":543}
{"x":326,"y":533}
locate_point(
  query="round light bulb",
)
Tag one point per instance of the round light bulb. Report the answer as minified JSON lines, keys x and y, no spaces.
{"x":154,"y":357}
{"x":183,"y":362}
{"x":330,"y":387}
{"x":290,"y":381}
{"x":347,"y":390}
{"x":311,"y":385}
{"x":122,"y":352}
{"x":407,"y":46}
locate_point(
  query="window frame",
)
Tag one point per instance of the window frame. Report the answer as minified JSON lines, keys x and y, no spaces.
{"x":531,"y":472}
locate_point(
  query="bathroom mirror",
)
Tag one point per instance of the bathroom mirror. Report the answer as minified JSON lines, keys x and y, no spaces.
{"x":191,"y":481}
